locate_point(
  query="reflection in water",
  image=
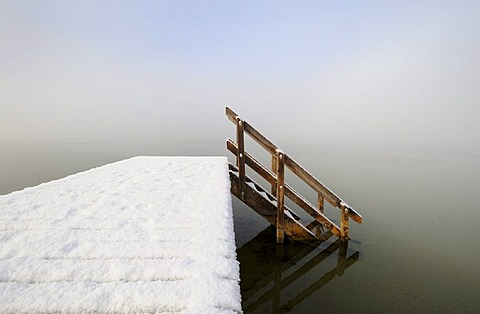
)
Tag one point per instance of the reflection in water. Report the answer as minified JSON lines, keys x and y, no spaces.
{"x":267,"y":269}
{"x":429,"y":269}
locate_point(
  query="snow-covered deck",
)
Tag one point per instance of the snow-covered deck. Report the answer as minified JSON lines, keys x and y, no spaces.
{"x":147,"y":234}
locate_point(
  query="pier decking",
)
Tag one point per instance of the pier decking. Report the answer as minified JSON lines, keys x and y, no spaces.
{"x":147,"y":234}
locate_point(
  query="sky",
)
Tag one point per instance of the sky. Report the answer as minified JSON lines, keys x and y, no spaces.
{"x":353,"y":72}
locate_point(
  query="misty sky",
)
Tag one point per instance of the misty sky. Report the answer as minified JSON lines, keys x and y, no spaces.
{"x":362,"y":72}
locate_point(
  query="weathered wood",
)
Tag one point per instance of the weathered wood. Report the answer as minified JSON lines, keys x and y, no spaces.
{"x":253,"y":163}
{"x":354,"y":215}
{"x":274,"y":169}
{"x":312,"y":181}
{"x":320,"y":188}
{"x":344,"y":223}
{"x":253,"y":133}
{"x":314,"y":224}
{"x":241,"y":156}
{"x":321,"y":203}
{"x":317,"y":228}
{"x":289,"y":191}
{"x":268,"y":210}
{"x":277,"y":183}
{"x":280,"y":195}
{"x":260,"y":188}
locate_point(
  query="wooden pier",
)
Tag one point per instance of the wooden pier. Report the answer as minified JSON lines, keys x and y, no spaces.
{"x":270,"y":204}
{"x":153,"y":234}
{"x":143,"y":235}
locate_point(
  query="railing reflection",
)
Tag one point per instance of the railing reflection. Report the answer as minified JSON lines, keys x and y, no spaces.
{"x":263,"y":278}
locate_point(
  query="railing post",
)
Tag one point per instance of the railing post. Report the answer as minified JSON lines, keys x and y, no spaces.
{"x":280,"y":157}
{"x":321,"y":206}
{"x":344,"y":222}
{"x":241,"y":157}
{"x":274,"y":170}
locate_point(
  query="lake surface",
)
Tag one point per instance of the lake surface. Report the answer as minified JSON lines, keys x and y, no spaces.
{"x":418,"y":249}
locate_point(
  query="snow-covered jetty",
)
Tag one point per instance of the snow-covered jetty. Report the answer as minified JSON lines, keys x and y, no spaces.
{"x":147,"y":234}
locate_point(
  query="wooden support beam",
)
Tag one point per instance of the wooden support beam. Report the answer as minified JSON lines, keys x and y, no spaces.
{"x":267,"y":194}
{"x":354,"y":215}
{"x":280,"y":196}
{"x":321,"y":203}
{"x":267,"y":209}
{"x":274,"y":169}
{"x":241,"y":156}
{"x":344,"y":223}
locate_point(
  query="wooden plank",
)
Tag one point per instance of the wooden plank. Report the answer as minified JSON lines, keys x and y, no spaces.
{"x":312,"y":181}
{"x":253,"y":163}
{"x":253,"y":133}
{"x":311,"y":210}
{"x":321,"y":203}
{"x":260,"y":188}
{"x":267,"y":209}
{"x":344,"y":223}
{"x":231,"y":115}
{"x":354,"y":215}
{"x":320,"y":188}
{"x":241,"y":156}
{"x":274,"y":168}
{"x":260,"y":139}
{"x":280,"y":195}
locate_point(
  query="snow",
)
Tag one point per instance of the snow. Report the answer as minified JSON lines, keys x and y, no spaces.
{"x":147,"y":234}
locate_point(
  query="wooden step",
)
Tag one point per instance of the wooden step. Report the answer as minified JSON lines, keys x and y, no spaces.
{"x":265,"y":205}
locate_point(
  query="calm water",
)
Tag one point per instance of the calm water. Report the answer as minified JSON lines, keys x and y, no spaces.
{"x":417,"y":251}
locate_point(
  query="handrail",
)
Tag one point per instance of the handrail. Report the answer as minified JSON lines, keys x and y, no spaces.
{"x":289,"y":192}
{"x":279,"y":188}
{"x":295,"y":167}
{"x":253,"y":133}
{"x":331,"y":197}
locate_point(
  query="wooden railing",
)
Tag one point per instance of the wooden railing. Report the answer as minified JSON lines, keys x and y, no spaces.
{"x":276,"y":178}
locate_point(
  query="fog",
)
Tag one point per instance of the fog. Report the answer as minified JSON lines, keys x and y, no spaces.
{"x":358,"y":73}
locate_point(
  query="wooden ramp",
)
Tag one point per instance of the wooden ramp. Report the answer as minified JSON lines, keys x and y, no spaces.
{"x":271,"y":206}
